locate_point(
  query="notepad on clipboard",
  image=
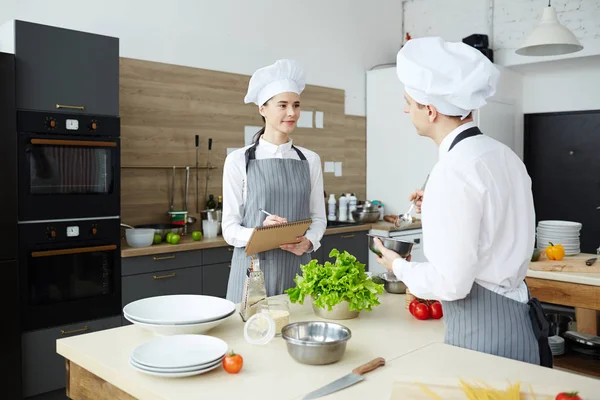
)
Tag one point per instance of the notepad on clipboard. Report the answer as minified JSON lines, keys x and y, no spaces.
{"x":266,"y":238}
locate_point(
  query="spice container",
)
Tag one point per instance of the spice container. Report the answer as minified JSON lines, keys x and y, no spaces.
{"x":259,"y":329}
{"x":278,"y":310}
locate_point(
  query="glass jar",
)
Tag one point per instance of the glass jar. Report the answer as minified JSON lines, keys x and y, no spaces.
{"x":279,"y":311}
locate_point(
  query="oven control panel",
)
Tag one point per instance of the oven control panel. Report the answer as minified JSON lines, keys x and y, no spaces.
{"x":72,"y":231}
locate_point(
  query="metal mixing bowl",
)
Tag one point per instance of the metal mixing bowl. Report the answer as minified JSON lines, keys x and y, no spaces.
{"x":391,"y":284}
{"x":316,"y":342}
{"x":365,"y":216}
{"x":402,"y":247}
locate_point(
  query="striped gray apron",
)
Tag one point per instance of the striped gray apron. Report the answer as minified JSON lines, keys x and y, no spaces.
{"x":281,"y":187}
{"x":491,"y":323}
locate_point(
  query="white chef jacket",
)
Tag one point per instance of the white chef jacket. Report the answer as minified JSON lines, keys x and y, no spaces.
{"x":478,"y":223}
{"x":235,"y":191}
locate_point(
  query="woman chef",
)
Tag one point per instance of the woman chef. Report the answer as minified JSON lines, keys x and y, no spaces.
{"x":477,"y":210}
{"x":273,"y":175}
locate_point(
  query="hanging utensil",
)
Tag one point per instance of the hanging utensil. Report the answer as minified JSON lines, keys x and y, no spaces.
{"x":187,"y":189}
{"x":197,"y":198}
{"x":207,"y":169}
{"x":406,"y":218}
{"x":172,"y":205}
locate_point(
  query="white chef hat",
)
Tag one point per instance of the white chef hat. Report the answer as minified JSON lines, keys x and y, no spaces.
{"x":283,"y":76}
{"x":454,"y":77}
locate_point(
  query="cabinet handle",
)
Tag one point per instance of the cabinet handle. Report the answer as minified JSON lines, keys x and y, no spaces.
{"x":348,"y":236}
{"x":62,"y":332}
{"x":164,"y":276}
{"x":229,"y":266}
{"x":70,"y":107}
{"x":230,"y":249}
{"x":163,"y":258}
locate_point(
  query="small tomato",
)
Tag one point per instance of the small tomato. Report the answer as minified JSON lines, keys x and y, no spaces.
{"x":567,"y":396}
{"x":435,"y":309}
{"x":421,"y":311}
{"x":412,"y":305}
{"x":232,"y":363}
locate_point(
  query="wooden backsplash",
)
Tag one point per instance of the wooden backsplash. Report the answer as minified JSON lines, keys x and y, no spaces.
{"x":163,"y":107}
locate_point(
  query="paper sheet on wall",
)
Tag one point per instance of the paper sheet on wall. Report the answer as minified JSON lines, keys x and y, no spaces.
{"x":306,"y":119}
{"x":319,"y":119}
{"x":249,"y":132}
{"x":329,"y":166}
{"x":338,"y":169}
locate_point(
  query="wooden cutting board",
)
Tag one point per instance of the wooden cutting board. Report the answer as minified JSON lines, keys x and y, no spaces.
{"x":448,"y":390}
{"x":567,"y":264}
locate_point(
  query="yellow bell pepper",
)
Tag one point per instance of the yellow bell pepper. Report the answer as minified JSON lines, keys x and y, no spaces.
{"x":555,"y":252}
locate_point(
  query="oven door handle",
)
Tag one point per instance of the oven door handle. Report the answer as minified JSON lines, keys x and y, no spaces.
{"x":76,"y":143}
{"x":78,"y":250}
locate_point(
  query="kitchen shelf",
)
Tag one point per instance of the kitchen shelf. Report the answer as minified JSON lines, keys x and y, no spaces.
{"x":165,"y":167}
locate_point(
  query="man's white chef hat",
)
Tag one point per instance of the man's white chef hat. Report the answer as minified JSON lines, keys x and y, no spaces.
{"x":283,"y":76}
{"x":454,"y":77}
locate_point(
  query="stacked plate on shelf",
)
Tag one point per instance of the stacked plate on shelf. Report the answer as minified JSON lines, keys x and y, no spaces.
{"x":557,"y":345}
{"x":565,"y":233}
{"x":179,"y":314}
{"x":178,"y":356}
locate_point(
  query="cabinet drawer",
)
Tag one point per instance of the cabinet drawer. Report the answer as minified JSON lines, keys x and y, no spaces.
{"x":43,"y":368}
{"x":217,"y":255}
{"x":177,"y":281}
{"x":160,"y":262}
{"x":215,"y":279}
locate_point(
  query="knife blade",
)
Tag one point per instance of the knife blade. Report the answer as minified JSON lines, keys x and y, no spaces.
{"x":354,"y":377}
{"x":590,"y":262}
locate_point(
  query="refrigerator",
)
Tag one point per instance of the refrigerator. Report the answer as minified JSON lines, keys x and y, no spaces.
{"x":10,"y":334}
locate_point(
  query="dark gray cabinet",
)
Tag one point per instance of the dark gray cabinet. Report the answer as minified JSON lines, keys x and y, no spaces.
{"x":43,"y":368}
{"x":215,"y":278}
{"x":62,"y":70}
{"x":356,"y":243}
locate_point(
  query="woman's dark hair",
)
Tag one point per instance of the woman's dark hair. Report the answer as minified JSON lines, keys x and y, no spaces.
{"x":258,"y":134}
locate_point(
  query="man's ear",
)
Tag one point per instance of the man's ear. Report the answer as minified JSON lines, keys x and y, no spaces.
{"x":432,"y":113}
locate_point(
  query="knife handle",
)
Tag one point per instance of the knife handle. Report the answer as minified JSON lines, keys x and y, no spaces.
{"x":590,"y":261}
{"x":370,"y":366}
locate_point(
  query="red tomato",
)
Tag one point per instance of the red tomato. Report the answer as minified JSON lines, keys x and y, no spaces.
{"x":412,"y":305}
{"x":435,"y":309}
{"x":233,"y":363}
{"x":421,"y":311}
{"x":567,"y":396}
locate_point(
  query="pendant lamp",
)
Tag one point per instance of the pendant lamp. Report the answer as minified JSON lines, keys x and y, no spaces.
{"x":549,"y":38}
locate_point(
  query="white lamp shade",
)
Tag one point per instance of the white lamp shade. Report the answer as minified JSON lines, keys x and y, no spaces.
{"x":549,"y":38}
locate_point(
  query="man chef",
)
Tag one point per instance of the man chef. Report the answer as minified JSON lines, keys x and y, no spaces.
{"x":477,"y":209}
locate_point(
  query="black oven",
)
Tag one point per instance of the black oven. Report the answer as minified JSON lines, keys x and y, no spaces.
{"x":70,"y":271}
{"x":69,"y":166}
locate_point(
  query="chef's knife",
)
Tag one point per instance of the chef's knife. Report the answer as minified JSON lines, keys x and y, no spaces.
{"x":354,"y":377}
{"x":590,"y":261}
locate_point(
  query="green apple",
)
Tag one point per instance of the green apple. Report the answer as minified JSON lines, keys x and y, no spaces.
{"x":197,"y":235}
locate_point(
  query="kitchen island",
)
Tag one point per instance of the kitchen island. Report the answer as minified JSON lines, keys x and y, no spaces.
{"x":98,"y":367}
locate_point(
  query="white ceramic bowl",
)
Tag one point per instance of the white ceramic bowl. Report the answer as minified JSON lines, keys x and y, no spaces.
{"x":168,"y":330}
{"x":139,"y":237}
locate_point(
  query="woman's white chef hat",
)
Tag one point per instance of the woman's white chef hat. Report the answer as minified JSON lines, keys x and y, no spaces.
{"x":283,"y":76}
{"x":454,"y":77}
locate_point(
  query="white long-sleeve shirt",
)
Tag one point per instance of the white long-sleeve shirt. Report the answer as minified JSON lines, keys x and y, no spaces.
{"x":235,"y":191}
{"x":478,"y":223}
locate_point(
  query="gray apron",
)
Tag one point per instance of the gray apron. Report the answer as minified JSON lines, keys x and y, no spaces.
{"x":491,"y":323}
{"x":281,"y":187}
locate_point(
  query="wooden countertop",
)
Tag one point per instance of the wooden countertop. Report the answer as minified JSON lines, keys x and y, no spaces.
{"x":187,"y":243}
{"x":411,"y":348}
{"x":582,"y":278}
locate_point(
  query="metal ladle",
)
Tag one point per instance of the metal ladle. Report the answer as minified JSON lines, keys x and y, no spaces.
{"x":406,"y":219}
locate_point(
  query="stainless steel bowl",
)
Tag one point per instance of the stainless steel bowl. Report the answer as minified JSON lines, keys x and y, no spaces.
{"x":402,"y":247}
{"x":316,"y":342}
{"x":365,"y":216}
{"x":339,"y":311}
{"x":391,"y":284}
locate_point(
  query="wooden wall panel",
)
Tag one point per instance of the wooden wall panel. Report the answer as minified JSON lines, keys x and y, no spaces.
{"x":164,"y":106}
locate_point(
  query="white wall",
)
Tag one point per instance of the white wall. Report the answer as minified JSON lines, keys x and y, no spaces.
{"x":335,"y":43}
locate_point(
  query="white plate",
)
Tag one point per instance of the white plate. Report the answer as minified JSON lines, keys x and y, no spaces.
{"x":175,"y":374}
{"x":179,"y":351}
{"x":132,"y":319}
{"x":166,"y":330}
{"x":179,"y":309}
{"x":175,"y":370}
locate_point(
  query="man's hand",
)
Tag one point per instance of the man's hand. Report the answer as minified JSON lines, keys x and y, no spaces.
{"x":274,"y":220}
{"x":388,"y":256}
{"x":298,"y":249}
{"x":419,"y":193}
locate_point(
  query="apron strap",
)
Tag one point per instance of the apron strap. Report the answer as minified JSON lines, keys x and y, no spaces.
{"x":251,"y":154}
{"x":464,"y":135}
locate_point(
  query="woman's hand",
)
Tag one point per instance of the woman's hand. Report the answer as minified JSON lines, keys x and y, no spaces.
{"x":298,"y":249}
{"x":274,"y":220}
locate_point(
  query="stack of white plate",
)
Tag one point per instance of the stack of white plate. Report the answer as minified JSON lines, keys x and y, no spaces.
{"x":179,"y":314}
{"x":178,"y":356}
{"x":557,"y":345}
{"x":559,"y":232}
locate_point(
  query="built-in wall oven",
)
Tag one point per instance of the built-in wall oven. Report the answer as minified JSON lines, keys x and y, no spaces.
{"x":70,"y":271}
{"x":68,"y":166}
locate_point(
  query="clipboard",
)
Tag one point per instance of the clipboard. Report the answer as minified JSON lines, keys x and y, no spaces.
{"x":271,"y":237}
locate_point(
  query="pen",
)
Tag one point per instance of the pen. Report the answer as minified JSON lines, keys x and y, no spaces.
{"x":263,"y":211}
